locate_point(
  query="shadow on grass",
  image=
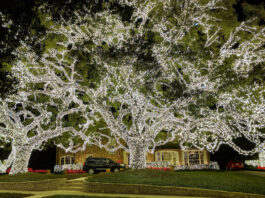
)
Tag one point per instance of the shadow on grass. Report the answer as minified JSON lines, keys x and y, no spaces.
{"x":13,"y":195}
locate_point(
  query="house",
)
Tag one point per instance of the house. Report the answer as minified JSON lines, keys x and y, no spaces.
{"x":175,"y":156}
{"x":260,"y":162}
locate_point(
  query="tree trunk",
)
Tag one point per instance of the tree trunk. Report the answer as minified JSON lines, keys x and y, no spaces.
{"x":137,"y":155}
{"x":21,"y":161}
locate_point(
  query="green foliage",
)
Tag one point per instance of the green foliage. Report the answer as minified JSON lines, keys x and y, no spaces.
{"x":162,"y":136}
{"x":229,"y":16}
{"x":52,"y":41}
{"x":86,"y":67}
{"x":193,"y":109}
{"x":195,"y":40}
{"x":27,"y":121}
{"x":64,"y":139}
{"x":127,"y":120}
{"x":31,"y":134}
{"x":114,"y":108}
{"x":32,"y":110}
{"x":207,"y":100}
{"x":98,"y":126}
{"x":74,"y":120}
{"x":173,"y":90}
{"x":44,"y":19}
{"x":40,"y":98}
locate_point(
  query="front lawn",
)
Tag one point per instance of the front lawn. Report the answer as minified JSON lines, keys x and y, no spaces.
{"x":77,"y":196}
{"x":37,"y":176}
{"x":13,"y":195}
{"x":217,"y":180}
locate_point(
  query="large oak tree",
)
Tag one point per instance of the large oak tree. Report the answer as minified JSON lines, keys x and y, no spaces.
{"x":150,"y":72}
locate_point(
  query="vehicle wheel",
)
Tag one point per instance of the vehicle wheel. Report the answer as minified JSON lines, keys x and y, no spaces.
{"x":91,"y":171}
{"x":116,"y":170}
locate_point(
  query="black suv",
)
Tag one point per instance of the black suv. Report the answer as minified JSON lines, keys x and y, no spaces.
{"x":93,"y":165}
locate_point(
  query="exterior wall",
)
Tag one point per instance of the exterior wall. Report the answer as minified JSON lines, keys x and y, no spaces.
{"x":91,"y":150}
{"x":123,"y":156}
{"x":149,"y":157}
{"x":181,"y":161}
{"x":259,"y":162}
{"x":262,"y":159}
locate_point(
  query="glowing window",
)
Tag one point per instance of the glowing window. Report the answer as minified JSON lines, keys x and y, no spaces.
{"x":67,"y":160}
{"x":193,"y":157}
{"x":168,"y":156}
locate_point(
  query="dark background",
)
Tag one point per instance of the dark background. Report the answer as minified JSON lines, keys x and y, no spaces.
{"x":45,"y":159}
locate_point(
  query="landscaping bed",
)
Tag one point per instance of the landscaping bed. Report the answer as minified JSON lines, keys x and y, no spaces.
{"x":30,"y":170}
{"x":216,"y":180}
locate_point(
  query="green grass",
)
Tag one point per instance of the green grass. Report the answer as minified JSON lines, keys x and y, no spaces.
{"x":217,"y":180}
{"x":77,"y":196}
{"x":13,"y":195}
{"x":37,"y":176}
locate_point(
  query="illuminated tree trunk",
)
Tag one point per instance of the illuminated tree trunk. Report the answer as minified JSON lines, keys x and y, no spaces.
{"x":137,"y":155}
{"x":21,"y":161}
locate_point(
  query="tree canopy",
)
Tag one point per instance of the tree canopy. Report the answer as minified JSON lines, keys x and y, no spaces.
{"x":144,"y":73}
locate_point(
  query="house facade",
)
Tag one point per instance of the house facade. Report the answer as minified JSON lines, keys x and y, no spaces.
{"x":259,"y":162}
{"x":174,"y":156}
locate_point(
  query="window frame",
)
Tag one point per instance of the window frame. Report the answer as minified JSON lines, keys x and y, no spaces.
{"x":186,"y":157}
{"x":71,"y":157}
{"x":174,"y":154}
